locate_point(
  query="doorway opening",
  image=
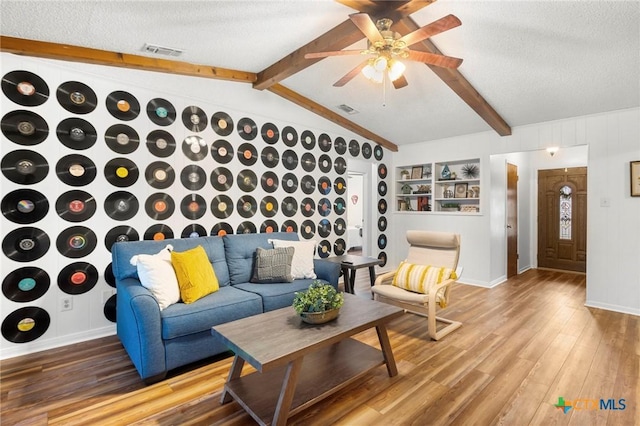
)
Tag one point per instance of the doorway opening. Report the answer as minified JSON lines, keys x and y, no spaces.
{"x":355,"y":212}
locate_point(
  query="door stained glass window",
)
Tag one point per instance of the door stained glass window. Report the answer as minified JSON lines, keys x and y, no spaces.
{"x":565,"y":213}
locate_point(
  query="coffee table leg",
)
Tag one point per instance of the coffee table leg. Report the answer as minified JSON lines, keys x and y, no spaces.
{"x":286,"y":392}
{"x":372,"y":275}
{"x":234,"y":373}
{"x":352,"y":281}
{"x":385,"y":345}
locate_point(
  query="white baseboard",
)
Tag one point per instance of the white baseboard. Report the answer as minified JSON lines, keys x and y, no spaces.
{"x":614,"y":308}
{"x":475,"y":283}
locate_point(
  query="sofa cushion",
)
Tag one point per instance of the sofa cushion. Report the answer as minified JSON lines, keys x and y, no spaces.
{"x":273,"y":266}
{"x":302,"y":263}
{"x":157,"y":275}
{"x":196,"y":277}
{"x":277,"y":295}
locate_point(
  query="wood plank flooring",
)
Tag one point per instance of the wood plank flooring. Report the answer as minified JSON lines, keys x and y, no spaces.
{"x":522,"y":345}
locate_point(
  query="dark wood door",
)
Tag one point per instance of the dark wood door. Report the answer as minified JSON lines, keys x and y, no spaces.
{"x":562,"y":219}
{"x":512,"y":220}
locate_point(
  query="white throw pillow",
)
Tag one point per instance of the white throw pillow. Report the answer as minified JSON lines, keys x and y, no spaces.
{"x":156,"y":274}
{"x":302,"y":263}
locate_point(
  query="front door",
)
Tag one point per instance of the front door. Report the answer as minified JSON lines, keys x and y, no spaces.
{"x":512,"y":220}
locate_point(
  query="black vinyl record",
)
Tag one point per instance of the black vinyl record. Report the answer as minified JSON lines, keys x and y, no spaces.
{"x":382,"y":206}
{"x":221,"y":206}
{"x":77,"y":97}
{"x":121,"y":205}
{"x":269,"y":133}
{"x":222,"y":123}
{"x":193,"y":177}
{"x":161,"y":111}
{"x":221,"y":178}
{"x":25,"y":244}
{"x":339,"y":247}
{"x":24,"y":127}
{"x":382,"y":171}
{"x":247,"y":206}
{"x":247,"y":154}
{"x":289,"y":206}
{"x":158,"y":232}
{"x":324,"y":249}
{"x":24,"y":206}
{"x":76,"y":170}
{"x":290,"y":183}
{"x":109,"y":276}
{"x":123,"y":105}
{"x":193,"y":206}
{"x":382,"y":224}
{"x":308,"y":184}
{"x":26,"y":284}
{"x":195,"y":148}
{"x":25,"y":324}
{"x":324,"y":142}
{"x":161,"y":143}
{"x":269,"y":182}
{"x":120,"y":234}
{"x":382,"y":188}
{"x":269,"y":206}
{"x":324,"y":207}
{"x":339,"y":185}
{"x":77,"y":278}
{"x":193,"y":231}
{"x":159,"y":206}
{"x":340,"y":145}
{"x":222,"y":151}
{"x":289,"y":136}
{"x":339,"y":226}
{"x":160,"y":175}
{"x":324,"y":163}
{"x":247,"y":180}
{"x":382,"y":241}
{"x":354,"y":148}
{"x":76,"y":241}
{"x":247,"y":129}
{"x":308,"y":229}
{"x":110,"y":308}
{"x":122,"y":139}
{"x":270,"y":157}
{"x":339,"y":206}
{"x":308,"y":162}
{"x":76,"y":206}
{"x":24,"y":167}
{"x":307,"y":207}
{"x":308,"y":140}
{"x":289,"y":159}
{"x":76,"y":133}
{"x":382,"y":256}
{"x":25,"y":88}
{"x":121,"y":172}
{"x":340,"y":166}
{"x":366,"y":150}
{"x":378,"y":152}
{"x":289,"y":226}
{"x":324,"y":228}
{"x":194,"y":118}
{"x":246,"y":228}
{"x":268,"y":226}
{"x":221,"y":229}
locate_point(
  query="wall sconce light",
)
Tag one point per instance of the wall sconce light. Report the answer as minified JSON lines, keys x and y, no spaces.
{"x":552,"y":150}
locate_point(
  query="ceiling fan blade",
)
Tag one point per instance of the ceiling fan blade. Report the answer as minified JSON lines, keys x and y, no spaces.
{"x":350,"y":75}
{"x":429,"y":30}
{"x":400,"y":82}
{"x":332,"y":53}
{"x":433,"y":59}
{"x":364,"y":22}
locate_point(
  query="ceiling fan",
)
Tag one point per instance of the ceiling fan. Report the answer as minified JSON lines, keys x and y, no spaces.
{"x":388,"y":47}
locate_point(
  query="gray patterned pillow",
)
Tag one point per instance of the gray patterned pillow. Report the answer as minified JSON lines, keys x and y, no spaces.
{"x":273,"y":266}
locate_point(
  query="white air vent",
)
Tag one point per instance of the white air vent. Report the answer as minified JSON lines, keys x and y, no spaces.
{"x":161,"y":50}
{"x":346,"y":108}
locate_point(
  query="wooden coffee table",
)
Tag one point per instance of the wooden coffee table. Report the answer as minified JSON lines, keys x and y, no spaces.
{"x":300,"y":364}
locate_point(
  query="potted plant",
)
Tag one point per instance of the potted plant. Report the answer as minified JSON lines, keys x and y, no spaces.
{"x":319,"y":304}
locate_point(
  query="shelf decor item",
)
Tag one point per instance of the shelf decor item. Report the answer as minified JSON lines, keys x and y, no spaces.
{"x":406,"y":188}
{"x":461,"y":190}
{"x":446,"y":173}
{"x":416,"y":172}
{"x":319,"y":304}
{"x":404,"y":174}
{"x":635,"y":178}
{"x":470,"y":171}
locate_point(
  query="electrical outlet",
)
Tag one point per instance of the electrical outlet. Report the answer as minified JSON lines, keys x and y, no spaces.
{"x":66,"y":303}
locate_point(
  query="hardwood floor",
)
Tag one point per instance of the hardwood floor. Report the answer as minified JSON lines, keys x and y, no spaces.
{"x":522,"y":345}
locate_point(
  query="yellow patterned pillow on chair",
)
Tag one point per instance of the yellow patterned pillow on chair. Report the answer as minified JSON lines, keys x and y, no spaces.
{"x":196,"y":277}
{"x":420,"y":278}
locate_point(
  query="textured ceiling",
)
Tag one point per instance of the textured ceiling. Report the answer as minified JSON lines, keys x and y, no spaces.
{"x":533,"y":61}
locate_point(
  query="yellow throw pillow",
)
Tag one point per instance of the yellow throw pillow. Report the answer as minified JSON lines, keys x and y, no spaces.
{"x":196,"y":277}
{"x":420,"y":278}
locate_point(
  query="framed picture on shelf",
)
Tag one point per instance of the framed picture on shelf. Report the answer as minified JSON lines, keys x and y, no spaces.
{"x":635,"y":178}
{"x":416,"y":172}
{"x":461,"y":190}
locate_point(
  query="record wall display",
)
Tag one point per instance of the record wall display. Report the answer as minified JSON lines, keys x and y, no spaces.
{"x":307,"y":207}
{"x":269,"y":133}
{"x":382,"y":224}
{"x":160,"y":175}
{"x":339,"y":226}
{"x":339,"y":206}
{"x":324,"y":163}
{"x":76,"y":133}
{"x":324,"y":142}
{"x":246,"y":228}
{"x":110,"y":308}
{"x":123,"y":105}
{"x":247,"y":206}
{"x":76,"y":97}
{"x":221,"y":179}
{"x":122,"y":139}
{"x":194,"y":118}
{"x":289,"y":226}
{"x":268,"y":226}
{"x":382,"y":241}
{"x":354,"y":148}
{"x":324,"y":207}
{"x":222,"y":123}
{"x":289,"y":136}
{"x":24,"y":206}
{"x":340,"y":146}
{"x":289,"y":159}
{"x":247,"y":180}
{"x":308,"y":184}
{"x":366,"y":150}
{"x":339,"y":185}
{"x":25,"y":324}
{"x":382,"y":171}
{"x":382,"y":256}
{"x":340,"y":166}
{"x":324,"y":249}
{"x":77,"y":278}
{"x":120,"y":234}
{"x":24,"y":167}
{"x":308,"y":162}
{"x":195,"y":148}
{"x":193,"y":206}
{"x":221,"y":206}
{"x":247,"y":129}
{"x":324,"y":228}
{"x":161,"y":143}
{"x":76,"y":241}
{"x":161,"y":111}
{"x":270,"y":157}
{"x":382,"y":188}
{"x":247,"y":154}
{"x":158,"y":232}
{"x":290,"y":183}
{"x":121,"y":172}
{"x":25,"y":244}
{"x":308,"y":229}
{"x":339,"y":247}
{"x":76,"y":206}
{"x":221,"y":229}
{"x":76,"y":170}
{"x":25,"y":88}
{"x":308,"y":140}
{"x":109,"y":277}
{"x":289,"y":206}
{"x":121,"y":205}
{"x":25,"y":284}
{"x":193,"y":177}
{"x":193,"y":231}
{"x":222,"y":151}
{"x":324,"y":185}
{"x":269,"y":206}
{"x":159,"y":206}
{"x":378,"y":152}
{"x":24,"y":127}
{"x":269,"y":182}
{"x":382,"y":206}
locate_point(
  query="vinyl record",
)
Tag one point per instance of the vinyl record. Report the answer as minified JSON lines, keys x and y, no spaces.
{"x":289,"y":136}
{"x":76,"y":206}
{"x":308,"y":162}
{"x":289,"y":226}
{"x":289,"y":183}
{"x":123,"y":105}
{"x":354,"y":148}
{"x":308,"y":184}
{"x":24,"y":206}
{"x":324,"y":249}
{"x":269,"y":133}
{"x":382,"y":206}
{"x":339,"y":185}
{"x":25,"y":88}
{"x":378,"y":152}
{"x":340,"y":166}
{"x":158,"y":232}
{"x":324,"y":207}
{"x":270,"y":157}
{"x":382,"y":241}
{"x":247,"y":206}
{"x":247,"y":154}
{"x":307,"y":207}
{"x":160,"y":175}
{"x":121,"y":205}
{"x":193,"y":206}
{"x":222,"y":123}
{"x":122,"y":139}
{"x":222,"y":151}
{"x":193,"y":231}
{"x":76,"y":170}
{"x":193,"y":177}
{"x":339,"y":247}
{"x":120,"y":234}
{"x":159,"y":206}
{"x":246,"y":228}
{"x":382,"y":171}
{"x":25,"y":244}
{"x":24,"y":127}
{"x":221,"y":206}
{"x":25,"y":284}
{"x":339,"y":206}
{"x":247,"y":180}
{"x":382,"y":188}
{"x":121,"y":172}
{"x":161,"y":143}
{"x":324,"y":142}
{"x":268,"y":226}
{"x":76,"y":133}
{"x":339,"y":226}
{"x":110,"y":308}
{"x":194,"y":118}
{"x":324,"y":163}
{"x":289,"y":159}
{"x":161,"y":111}
{"x":289,"y":206}
{"x":382,"y":224}
{"x":324,"y":228}
{"x":221,"y":178}
{"x":221,"y":229}
{"x":366,"y":150}
{"x":109,"y":276}
{"x":340,"y":146}
{"x":269,"y":206}
{"x":25,"y":324}
{"x":76,"y":241}
{"x":308,"y":229}
{"x":308,"y":140}
{"x":77,"y":278}
{"x":269,"y":181}
{"x":77,"y":97}
{"x":247,"y":129}
{"x":195,"y":148}
{"x":382,"y":256}
{"x":24,"y":167}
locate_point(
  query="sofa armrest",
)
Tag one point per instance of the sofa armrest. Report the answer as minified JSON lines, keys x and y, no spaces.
{"x":328,"y":271}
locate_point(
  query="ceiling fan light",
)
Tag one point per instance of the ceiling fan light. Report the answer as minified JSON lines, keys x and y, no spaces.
{"x":368,"y":71}
{"x":396,"y":68}
{"x":380,"y":64}
{"x":378,"y":76}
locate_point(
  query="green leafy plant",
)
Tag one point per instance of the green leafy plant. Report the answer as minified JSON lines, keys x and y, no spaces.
{"x":319,"y":297}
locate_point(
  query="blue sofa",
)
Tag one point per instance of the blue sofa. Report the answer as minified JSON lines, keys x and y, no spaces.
{"x":159,"y":341}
